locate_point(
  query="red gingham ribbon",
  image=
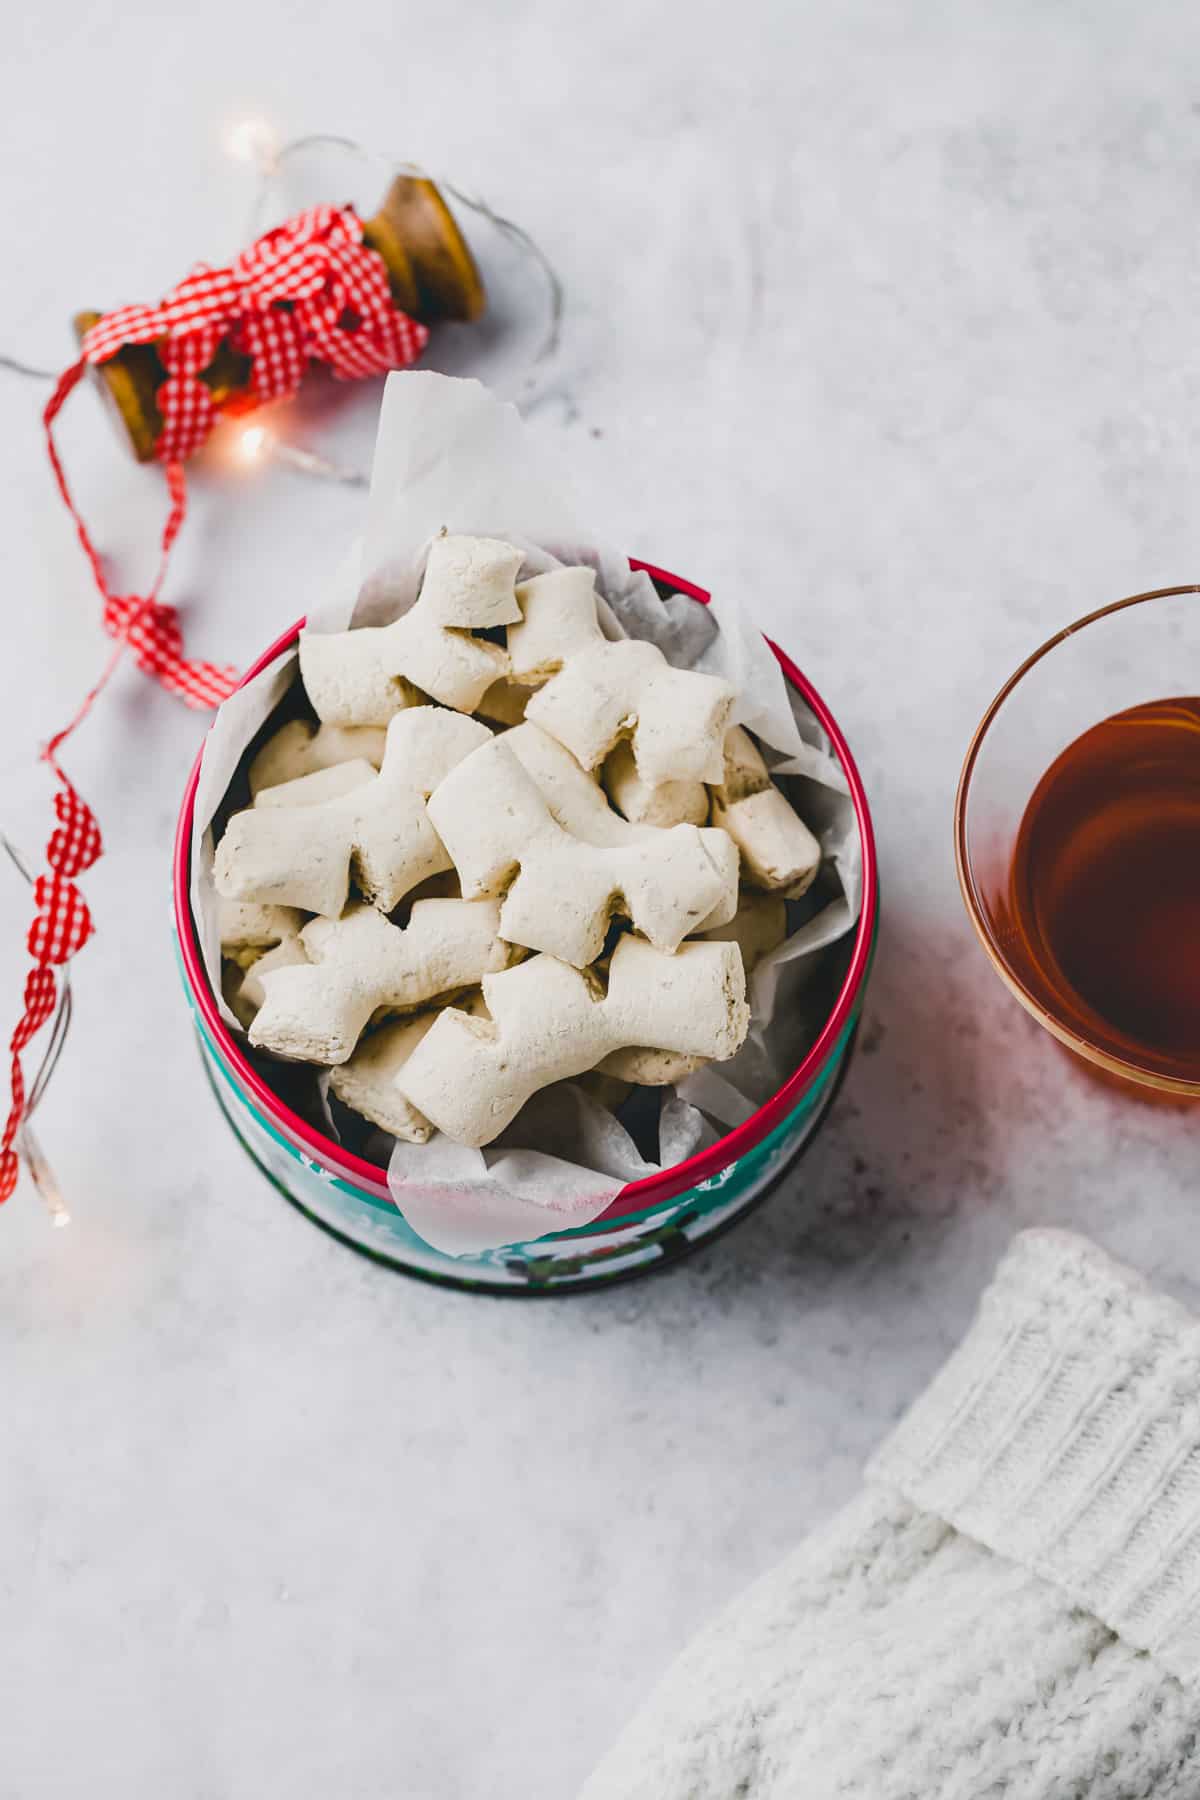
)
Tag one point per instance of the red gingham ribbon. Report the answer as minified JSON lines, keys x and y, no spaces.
{"x":61,"y":926}
{"x":310,"y":290}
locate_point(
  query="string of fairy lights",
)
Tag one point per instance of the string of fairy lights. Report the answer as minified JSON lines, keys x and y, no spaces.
{"x":255,"y":141}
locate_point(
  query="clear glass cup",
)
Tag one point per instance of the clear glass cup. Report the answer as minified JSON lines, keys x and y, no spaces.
{"x":1137,"y":650}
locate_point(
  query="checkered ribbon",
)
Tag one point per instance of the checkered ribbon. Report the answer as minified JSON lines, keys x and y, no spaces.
{"x":308,"y":291}
{"x":61,"y":926}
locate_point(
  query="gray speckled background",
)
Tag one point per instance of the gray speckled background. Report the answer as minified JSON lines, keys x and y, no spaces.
{"x":890,"y":314}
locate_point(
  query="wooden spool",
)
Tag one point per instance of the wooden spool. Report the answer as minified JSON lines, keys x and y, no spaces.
{"x":432,"y":273}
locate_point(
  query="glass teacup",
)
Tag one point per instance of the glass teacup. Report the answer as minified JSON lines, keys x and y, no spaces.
{"x":1038,"y":729}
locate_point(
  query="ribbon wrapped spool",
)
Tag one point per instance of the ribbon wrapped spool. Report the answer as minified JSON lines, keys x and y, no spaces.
{"x":431,"y":272}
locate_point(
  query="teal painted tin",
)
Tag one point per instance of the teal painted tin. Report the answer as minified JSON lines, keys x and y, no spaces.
{"x":650,"y":1223}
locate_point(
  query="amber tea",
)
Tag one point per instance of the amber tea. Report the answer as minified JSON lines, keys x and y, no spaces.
{"x":1102,"y":921}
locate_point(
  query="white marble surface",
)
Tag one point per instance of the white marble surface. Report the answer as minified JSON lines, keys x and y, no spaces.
{"x":887,"y":311}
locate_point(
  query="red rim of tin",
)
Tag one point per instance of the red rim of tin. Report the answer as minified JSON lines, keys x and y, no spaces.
{"x":637,"y":1195}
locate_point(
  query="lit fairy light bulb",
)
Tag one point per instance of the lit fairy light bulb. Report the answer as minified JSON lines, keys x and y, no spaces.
{"x":253,"y":141}
{"x":44,"y":1178}
{"x":253,"y":443}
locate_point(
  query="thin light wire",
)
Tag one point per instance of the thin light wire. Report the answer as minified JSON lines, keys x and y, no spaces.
{"x":55,"y":1047}
{"x":23,"y":368}
{"x":518,"y":235}
{"x":15,"y":857}
{"x":273,"y":159}
{"x":308,"y":462}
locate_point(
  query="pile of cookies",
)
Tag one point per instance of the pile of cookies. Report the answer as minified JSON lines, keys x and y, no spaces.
{"x":507,"y":852}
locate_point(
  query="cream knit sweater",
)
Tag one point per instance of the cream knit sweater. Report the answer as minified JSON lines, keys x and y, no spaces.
{"x":1010,"y":1611}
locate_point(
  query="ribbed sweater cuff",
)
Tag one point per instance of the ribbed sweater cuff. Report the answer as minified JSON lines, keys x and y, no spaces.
{"x":1064,"y":1434}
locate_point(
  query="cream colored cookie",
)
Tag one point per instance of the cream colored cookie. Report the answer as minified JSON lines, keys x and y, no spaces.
{"x":361,"y":963}
{"x":366,"y":676}
{"x":578,"y":803}
{"x":670,"y":803}
{"x":367,"y":1082}
{"x":332,"y":783}
{"x":247,"y":924}
{"x":600,"y":692}
{"x":759,"y":925}
{"x":301,"y":748}
{"x":779,"y":852}
{"x":470,"y":581}
{"x":246,"y":995}
{"x":302,"y":855}
{"x":560,"y":893}
{"x":470,"y":1077}
{"x":744,"y":771}
{"x":574,"y":797}
{"x":642,"y":1067}
{"x":676,"y":717}
{"x":352,"y":678}
{"x":558,"y":620}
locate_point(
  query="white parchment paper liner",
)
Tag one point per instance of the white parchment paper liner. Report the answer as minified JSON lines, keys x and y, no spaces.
{"x":449,"y":454}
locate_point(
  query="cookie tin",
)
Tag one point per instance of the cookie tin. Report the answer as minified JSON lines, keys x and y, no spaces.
{"x":651,"y":1222}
